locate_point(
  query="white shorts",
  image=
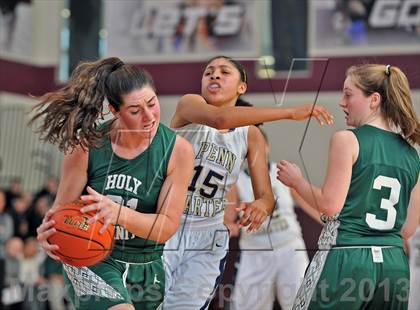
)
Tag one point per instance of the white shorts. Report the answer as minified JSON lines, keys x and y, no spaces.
{"x":264,"y":275}
{"x":194,"y":262}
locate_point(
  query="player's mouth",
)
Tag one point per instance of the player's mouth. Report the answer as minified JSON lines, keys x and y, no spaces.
{"x":213,"y":86}
{"x":149,"y":126}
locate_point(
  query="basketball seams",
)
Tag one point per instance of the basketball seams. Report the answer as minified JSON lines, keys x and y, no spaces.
{"x":77,"y":258}
{"x":109,"y":229}
{"x":71,"y":226}
{"x":85,"y":238}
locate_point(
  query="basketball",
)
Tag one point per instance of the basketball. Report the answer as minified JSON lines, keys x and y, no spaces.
{"x":80,"y":243}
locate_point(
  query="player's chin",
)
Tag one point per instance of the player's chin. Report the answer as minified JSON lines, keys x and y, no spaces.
{"x":349,"y":122}
{"x":213,"y":98}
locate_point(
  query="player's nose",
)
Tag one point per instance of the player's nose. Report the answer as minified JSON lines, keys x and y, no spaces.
{"x":215,"y":76}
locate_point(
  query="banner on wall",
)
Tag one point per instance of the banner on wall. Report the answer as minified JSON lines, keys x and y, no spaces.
{"x":349,"y":27}
{"x":180,"y":30}
{"x":16,"y":29}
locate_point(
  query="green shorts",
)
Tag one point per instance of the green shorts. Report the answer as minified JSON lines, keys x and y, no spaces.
{"x":52,"y":267}
{"x":356,"y":278}
{"x":114,"y":282}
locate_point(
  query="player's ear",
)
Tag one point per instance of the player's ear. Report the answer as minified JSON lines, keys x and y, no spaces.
{"x":242,"y":88}
{"x":375,"y":100}
{"x":113,"y":110}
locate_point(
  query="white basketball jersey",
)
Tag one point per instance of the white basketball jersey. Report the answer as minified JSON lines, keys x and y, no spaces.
{"x":281,"y":227}
{"x":218,"y":160}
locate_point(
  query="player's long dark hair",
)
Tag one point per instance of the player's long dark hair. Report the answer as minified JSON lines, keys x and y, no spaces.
{"x":396,"y":103}
{"x":69,"y":115}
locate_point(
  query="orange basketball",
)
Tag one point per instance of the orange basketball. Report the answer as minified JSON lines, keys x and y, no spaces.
{"x":80,"y":243}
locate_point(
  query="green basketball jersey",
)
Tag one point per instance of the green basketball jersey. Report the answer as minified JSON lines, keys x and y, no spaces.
{"x":383,"y":177}
{"x":135,"y":183}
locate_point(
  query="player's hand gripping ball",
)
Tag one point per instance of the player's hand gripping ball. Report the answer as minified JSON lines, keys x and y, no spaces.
{"x":80,"y":244}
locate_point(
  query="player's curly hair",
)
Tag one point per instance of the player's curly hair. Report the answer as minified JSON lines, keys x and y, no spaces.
{"x":69,"y":115}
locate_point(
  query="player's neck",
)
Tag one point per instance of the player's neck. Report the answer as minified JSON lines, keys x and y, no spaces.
{"x":379,"y":122}
{"x":130,"y":145}
{"x":131,"y":139}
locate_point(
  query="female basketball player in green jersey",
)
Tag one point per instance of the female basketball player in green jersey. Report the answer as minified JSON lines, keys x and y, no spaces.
{"x":135,"y":169}
{"x":372,"y":182}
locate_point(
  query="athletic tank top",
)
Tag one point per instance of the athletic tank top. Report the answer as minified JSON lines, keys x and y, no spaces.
{"x":135,"y":183}
{"x":217,"y":163}
{"x":383,"y":177}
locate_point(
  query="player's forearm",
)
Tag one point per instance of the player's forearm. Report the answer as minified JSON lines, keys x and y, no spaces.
{"x":409,"y":227}
{"x":307,"y":208}
{"x":231,"y":215}
{"x":194,"y":108}
{"x":268,"y":202}
{"x":232,"y":117}
{"x":312,"y":195}
{"x":156,"y":227}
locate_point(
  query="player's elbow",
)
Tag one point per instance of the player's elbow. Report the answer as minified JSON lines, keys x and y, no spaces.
{"x":330,"y":204}
{"x":330,"y":209}
{"x":407,"y":231}
{"x":328,"y":212}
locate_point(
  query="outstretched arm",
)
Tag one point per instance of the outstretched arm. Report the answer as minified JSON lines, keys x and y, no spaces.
{"x":194,"y":109}
{"x":329,"y":199}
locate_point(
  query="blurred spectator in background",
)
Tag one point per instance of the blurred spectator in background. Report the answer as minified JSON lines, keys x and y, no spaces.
{"x":48,"y":191}
{"x":9,"y":20}
{"x":36,"y":213}
{"x":30,"y":274}
{"x":26,"y":265}
{"x":19,"y":213}
{"x":351,"y":20}
{"x":35,"y":270}
{"x":14,"y":191}
{"x":6,"y":232}
{"x":12,"y":296}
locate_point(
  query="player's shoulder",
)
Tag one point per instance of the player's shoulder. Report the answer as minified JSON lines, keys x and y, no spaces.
{"x":253,"y":133}
{"x":344,"y":138}
{"x":253,"y":129}
{"x":344,"y":135}
{"x":182,"y":154}
{"x":77,"y":153}
{"x":182,"y":148}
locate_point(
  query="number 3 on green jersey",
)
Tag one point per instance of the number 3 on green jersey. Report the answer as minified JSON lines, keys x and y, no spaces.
{"x":386,"y":204}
